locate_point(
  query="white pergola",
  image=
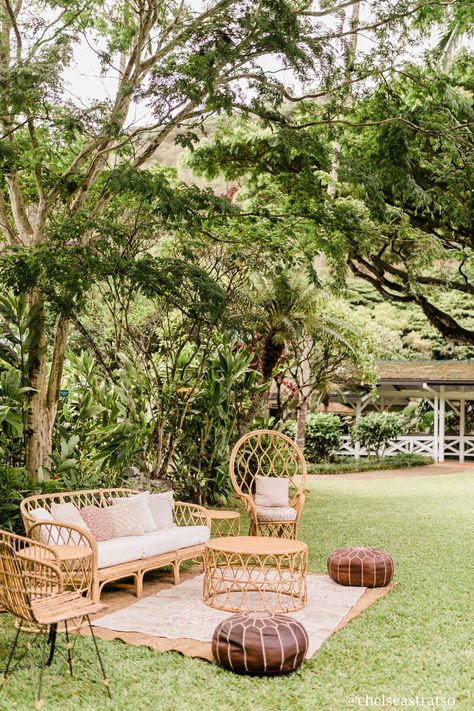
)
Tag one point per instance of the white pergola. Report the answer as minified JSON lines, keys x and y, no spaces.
{"x":444,"y":385}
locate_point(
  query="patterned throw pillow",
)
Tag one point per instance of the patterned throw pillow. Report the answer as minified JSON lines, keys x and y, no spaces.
{"x":142,"y":500}
{"x":126,"y":519}
{"x":99,"y":522}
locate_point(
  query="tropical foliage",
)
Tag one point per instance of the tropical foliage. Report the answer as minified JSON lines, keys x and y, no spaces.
{"x":398,"y":210}
{"x":147,"y":321}
{"x":374,"y":431}
{"x":322,"y":437}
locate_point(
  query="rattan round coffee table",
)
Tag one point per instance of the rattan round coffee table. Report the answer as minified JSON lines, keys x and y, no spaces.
{"x":224,"y":523}
{"x":255,"y":573}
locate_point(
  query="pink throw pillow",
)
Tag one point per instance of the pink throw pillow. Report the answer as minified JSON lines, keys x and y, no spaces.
{"x":99,"y":522}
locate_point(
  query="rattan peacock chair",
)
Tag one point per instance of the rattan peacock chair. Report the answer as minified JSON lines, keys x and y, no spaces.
{"x":271,"y":454}
{"x":31,"y":588}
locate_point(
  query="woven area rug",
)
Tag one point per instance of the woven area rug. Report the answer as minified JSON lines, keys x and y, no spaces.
{"x":178,"y":613}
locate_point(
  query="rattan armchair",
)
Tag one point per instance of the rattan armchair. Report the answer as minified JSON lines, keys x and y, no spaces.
{"x":32,"y":589}
{"x":273,"y":454}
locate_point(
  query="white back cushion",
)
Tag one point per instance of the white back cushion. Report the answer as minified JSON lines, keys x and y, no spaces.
{"x":162,"y":508}
{"x":68,"y":513}
{"x":51,"y":534}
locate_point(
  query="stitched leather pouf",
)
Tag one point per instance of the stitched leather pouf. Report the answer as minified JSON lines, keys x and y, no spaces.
{"x":362,"y":567}
{"x":260,"y":643}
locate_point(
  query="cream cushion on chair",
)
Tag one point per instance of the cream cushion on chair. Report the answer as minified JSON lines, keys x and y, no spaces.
{"x":142,"y":500}
{"x":275,"y":513}
{"x":271,"y":491}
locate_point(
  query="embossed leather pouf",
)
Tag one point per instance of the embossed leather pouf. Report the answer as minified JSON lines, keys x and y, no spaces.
{"x":260,"y":643}
{"x":361,"y":567}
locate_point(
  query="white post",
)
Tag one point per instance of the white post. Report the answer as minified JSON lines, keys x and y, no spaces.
{"x":442,"y":410}
{"x":358,"y":415}
{"x":436,"y":429}
{"x":462,"y":420}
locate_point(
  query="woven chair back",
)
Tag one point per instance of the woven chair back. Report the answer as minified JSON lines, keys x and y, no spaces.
{"x":266,"y":453}
{"x":25,"y":578}
{"x":86,"y":497}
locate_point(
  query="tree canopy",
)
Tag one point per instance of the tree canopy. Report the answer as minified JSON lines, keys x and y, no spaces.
{"x":82,"y":208}
{"x":400,"y":211}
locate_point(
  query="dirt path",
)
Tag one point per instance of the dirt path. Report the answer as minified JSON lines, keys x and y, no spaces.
{"x":431,"y":470}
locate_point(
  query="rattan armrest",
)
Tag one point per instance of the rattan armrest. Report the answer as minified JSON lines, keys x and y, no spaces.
{"x":249,"y":504}
{"x":186,"y":514}
{"x":298,"y":502}
{"x":70,"y":535}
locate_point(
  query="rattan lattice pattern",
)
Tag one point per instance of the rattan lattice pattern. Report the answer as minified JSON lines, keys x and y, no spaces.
{"x":273,"y":454}
{"x":252,"y":573}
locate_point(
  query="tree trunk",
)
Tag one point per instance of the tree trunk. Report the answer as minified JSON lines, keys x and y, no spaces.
{"x":304,"y":393}
{"x":39,"y":438}
{"x":43,"y":401}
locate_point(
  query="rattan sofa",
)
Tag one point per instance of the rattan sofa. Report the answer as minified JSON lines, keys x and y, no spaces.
{"x":185,"y":542}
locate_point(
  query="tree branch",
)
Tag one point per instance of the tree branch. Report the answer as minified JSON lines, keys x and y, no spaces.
{"x":5,"y":223}
{"x":328,"y":11}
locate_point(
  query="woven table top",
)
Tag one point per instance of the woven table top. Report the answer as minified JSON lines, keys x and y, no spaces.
{"x":222,"y":515}
{"x":257,"y":545}
{"x":62,"y":551}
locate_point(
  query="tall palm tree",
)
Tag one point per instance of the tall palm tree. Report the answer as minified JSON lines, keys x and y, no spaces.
{"x":284,"y":303}
{"x":456,"y":32}
{"x":285,"y":308}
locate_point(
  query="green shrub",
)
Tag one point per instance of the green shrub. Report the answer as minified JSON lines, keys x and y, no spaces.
{"x":322,"y":436}
{"x":13,"y":488}
{"x":200,"y":463}
{"x":288,"y":428}
{"x":348,"y":465}
{"x":375,"y":431}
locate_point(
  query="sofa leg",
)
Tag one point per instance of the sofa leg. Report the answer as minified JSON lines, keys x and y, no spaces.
{"x":176,"y":572}
{"x":139,"y":585}
{"x":95,"y":591}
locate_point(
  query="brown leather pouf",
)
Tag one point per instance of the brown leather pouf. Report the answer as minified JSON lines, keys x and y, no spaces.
{"x":361,"y":567}
{"x":260,"y":643}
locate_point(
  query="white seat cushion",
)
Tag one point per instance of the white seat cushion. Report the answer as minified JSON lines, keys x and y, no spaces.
{"x":119,"y":550}
{"x":172,"y":539}
{"x":168,"y":540}
{"x":275,"y":513}
{"x":159,"y":542}
{"x":185,"y":536}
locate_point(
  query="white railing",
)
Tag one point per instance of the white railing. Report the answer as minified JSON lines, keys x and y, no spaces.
{"x":416,"y":444}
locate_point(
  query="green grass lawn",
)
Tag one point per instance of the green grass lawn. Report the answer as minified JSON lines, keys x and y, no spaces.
{"x":418,"y":640}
